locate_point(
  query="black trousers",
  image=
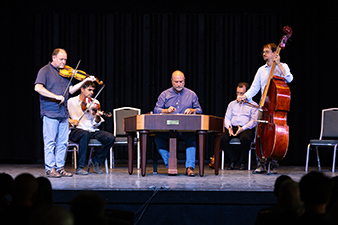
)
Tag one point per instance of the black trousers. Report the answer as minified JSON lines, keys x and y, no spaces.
{"x":83,"y":137}
{"x":246,"y":137}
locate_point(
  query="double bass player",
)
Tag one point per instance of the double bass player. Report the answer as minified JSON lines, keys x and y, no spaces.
{"x":261,"y":78}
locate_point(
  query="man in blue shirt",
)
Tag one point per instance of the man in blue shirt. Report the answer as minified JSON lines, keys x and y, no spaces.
{"x":178,"y":100}
{"x":54,"y":113}
{"x":261,"y":78}
{"x":239,"y":121}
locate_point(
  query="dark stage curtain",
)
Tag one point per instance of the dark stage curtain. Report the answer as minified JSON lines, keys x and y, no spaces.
{"x":135,"y":53}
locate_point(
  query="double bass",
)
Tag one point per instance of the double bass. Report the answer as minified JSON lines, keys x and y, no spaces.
{"x":272,"y":133}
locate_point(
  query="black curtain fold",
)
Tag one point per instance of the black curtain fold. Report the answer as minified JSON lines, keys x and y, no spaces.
{"x":134,"y":53}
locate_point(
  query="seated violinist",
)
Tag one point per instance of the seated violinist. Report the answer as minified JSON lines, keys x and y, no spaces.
{"x":86,"y":123}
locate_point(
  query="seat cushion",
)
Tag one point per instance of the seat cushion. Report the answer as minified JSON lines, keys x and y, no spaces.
{"x":94,"y":142}
{"x":235,"y":141}
{"x":123,"y":140}
{"x":323,"y":142}
{"x":120,"y":140}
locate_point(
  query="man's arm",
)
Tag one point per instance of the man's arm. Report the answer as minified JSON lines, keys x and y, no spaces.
{"x":227,"y":116}
{"x":288,"y":75}
{"x":160,"y":104}
{"x":44,"y":92}
{"x":73,"y":89}
{"x":196,"y":107}
{"x":253,"y":90}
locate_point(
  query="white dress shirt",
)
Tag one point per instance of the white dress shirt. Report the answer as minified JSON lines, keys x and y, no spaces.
{"x":87,"y":122}
{"x":262,"y":76}
{"x":241,"y":114}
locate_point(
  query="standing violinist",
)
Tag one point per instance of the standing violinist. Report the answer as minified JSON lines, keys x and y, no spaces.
{"x":86,"y":119}
{"x":53,"y":109}
{"x":261,"y":78}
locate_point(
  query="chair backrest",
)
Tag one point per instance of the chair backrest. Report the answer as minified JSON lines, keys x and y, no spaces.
{"x":329,"y":126}
{"x":119,"y":114}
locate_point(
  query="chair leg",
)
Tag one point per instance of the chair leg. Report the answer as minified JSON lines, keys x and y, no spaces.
{"x":269,"y":167}
{"x":90,"y":158}
{"x":318,"y":159}
{"x":138,"y":159}
{"x":334,"y":159}
{"x":307,"y":158}
{"x":75,"y":158}
{"x":222,"y":160}
{"x":111,"y":158}
{"x":106,"y":165}
{"x":65,"y":159}
{"x":249,"y":160}
{"x":154,"y":158}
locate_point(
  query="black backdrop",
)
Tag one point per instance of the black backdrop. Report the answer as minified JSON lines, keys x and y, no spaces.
{"x":134,"y":46}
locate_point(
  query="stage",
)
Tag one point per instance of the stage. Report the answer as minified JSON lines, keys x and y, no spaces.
{"x":232,"y":197}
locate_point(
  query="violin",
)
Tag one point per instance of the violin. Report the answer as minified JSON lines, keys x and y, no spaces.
{"x":94,"y":106}
{"x":80,"y":75}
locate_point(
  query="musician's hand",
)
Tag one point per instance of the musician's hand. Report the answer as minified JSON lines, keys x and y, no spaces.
{"x":240,"y":130}
{"x":90,"y":78}
{"x":73,"y":122}
{"x":97,"y":116}
{"x":277,"y":59}
{"x":99,"y":113}
{"x":280,"y":66}
{"x":60,"y":98}
{"x":241,"y":98}
{"x":171,"y":109}
{"x":189,"y":111}
{"x":231,"y":133}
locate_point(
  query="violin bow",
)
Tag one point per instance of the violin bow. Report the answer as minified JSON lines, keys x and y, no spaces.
{"x":74,"y":72}
{"x":92,"y":101}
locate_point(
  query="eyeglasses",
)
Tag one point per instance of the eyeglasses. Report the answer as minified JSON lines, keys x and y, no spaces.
{"x":266,"y":52}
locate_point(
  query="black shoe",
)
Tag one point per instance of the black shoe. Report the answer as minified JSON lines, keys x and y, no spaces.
{"x":97,"y":167}
{"x":259,"y":170}
{"x":272,"y":171}
{"x":242,"y":167}
{"x":231,"y":166}
{"x":81,"y":171}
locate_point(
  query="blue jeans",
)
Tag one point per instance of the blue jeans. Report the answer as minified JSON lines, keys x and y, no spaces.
{"x":190,"y":142}
{"x":55,"y":138}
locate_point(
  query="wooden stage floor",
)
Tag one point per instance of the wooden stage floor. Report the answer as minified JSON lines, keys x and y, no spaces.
{"x":232,"y":197}
{"x":119,"y":179}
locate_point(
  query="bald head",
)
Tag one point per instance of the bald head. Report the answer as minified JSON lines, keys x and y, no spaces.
{"x":177,"y":73}
{"x":177,"y":80}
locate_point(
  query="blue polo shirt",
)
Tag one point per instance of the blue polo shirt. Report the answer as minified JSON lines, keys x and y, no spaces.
{"x":50,"y":78}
